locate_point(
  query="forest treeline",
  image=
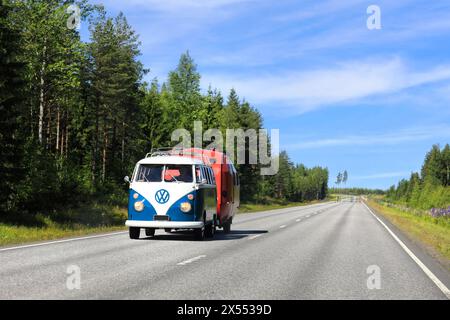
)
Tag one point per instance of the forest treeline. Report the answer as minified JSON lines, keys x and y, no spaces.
{"x":357,"y":191}
{"x":431,"y":187}
{"x":76,"y":116}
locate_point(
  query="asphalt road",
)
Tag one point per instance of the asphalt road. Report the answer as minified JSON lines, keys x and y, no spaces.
{"x":322,"y":251}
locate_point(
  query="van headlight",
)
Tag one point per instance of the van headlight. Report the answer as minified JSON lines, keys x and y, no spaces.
{"x":185,"y":206}
{"x":139,"y":206}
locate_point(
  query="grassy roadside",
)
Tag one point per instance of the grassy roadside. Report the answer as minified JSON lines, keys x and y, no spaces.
{"x":433,"y":233}
{"x":85,"y":220}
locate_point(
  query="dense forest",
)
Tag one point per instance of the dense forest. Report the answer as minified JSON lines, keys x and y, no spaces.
{"x":430,"y":188}
{"x":76,"y":116}
{"x":357,"y":191}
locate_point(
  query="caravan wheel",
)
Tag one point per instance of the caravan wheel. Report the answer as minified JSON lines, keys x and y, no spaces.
{"x":227,"y":226}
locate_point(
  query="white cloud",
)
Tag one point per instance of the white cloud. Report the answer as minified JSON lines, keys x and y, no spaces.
{"x":381,"y":175}
{"x":393,"y":138}
{"x":173,"y":5}
{"x":308,"y":90}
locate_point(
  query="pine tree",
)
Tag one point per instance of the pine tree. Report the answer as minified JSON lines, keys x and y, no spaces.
{"x":184,"y":86}
{"x":116,"y":82}
{"x":11,"y":109}
{"x":154,"y":119}
{"x":445,"y":165}
{"x":230,"y":114}
{"x":433,"y":166}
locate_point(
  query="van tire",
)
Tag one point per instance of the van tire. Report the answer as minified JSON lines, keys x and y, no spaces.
{"x":134,"y":232}
{"x":149,"y":232}
{"x":210,"y":229}
{"x":199,"y":234}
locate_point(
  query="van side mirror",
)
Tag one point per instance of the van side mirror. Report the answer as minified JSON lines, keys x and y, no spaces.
{"x":126,"y":179}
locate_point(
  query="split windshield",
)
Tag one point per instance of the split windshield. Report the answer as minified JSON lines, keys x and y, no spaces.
{"x":169,"y":172}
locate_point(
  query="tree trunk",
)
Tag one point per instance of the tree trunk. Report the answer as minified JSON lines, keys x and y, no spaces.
{"x":95,"y":148}
{"x":48,"y":135}
{"x":123,"y":144}
{"x":105,"y":146}
{"x":58,"y":123}
{"x":67,"y":134}
{"x":41,"y":96}
{"x":62,"y":139}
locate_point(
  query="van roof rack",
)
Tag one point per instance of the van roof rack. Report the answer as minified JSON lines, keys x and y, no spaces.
{"x":180,"y":151}
{"x":166,"y":151}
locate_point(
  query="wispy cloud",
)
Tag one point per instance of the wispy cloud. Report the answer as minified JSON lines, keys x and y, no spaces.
{"x":161,"y":24}
{"x":383,"y":175}
{"x":308,"y":90}
{"x":316,"y":28}
{"x":393,"y":138}
{"x":174,"y":5}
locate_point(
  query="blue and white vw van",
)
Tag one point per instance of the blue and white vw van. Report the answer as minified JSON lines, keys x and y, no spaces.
{"x":172,"y":192}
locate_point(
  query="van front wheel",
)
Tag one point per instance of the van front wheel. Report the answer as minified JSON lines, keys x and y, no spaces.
{"x":150,"y":232}
{"x":210,"y":229}
{"x":134,"y":232}
{"x":199,"y":234}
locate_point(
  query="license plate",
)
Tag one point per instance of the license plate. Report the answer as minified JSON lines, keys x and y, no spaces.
{"x":161,"y":218}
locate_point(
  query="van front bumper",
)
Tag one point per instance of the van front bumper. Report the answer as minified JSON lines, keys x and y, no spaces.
{"x":165,"y":224}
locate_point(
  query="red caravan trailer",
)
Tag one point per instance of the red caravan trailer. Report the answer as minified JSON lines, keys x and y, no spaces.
{"x":227,"y":181}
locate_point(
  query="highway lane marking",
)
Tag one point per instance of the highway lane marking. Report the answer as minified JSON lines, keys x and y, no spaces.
{"x":298,"y":220}
{"x":62,"y":241}
{"x":424,"y":268}
{"x":270,"y":213}
{"x":254,"y":236}
{"x":308,"y":216}
{"x":185,"y":262}
{"x":283,"y":226}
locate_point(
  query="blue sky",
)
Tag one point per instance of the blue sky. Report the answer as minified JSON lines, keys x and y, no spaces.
{"x":343,"y":96}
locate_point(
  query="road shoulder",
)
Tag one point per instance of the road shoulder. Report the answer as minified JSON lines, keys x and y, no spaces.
{"x":433,"y":261}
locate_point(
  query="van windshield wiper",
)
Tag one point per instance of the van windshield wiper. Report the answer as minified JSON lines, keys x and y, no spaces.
{"x":172,"y":176}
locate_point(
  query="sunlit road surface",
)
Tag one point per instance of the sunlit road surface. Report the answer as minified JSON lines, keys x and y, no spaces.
{"x":323,"y":251}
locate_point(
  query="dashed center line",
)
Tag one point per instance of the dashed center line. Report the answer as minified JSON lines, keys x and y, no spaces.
{"x":308,"y":216}
{"x":185,"y":262}
{"x":254,"y":236}
{"x":298,"y":220}
{"x":283,"y":226}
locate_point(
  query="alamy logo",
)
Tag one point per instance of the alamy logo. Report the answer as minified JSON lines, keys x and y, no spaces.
{"x":162,"y":196}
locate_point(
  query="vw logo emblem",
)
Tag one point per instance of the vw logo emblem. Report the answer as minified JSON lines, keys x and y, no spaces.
{"x":162,"y":196}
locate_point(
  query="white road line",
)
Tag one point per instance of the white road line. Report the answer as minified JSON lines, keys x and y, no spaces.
{"x":298,"y":220}
{"x":424,"y":268}
{"x":62,"y":241}
{"x":283,"y":226}
{"x":308,"y":216}
{"x":254,"y":236}
{"x":185,"y":262}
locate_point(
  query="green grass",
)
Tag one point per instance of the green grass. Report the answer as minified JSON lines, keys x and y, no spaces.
{"x":92,"y":219}
{"x":433,"y":232}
